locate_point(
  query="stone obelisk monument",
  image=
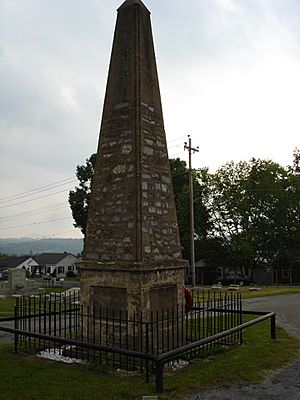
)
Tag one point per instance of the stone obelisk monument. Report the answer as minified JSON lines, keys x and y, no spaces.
{"x":132,"y":255}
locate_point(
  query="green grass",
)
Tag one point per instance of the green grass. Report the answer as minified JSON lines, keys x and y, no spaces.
{"x":268,"y":291}
{"x":7,"y":307}
{"x":264,"y":292}
{"x":27,"y":377}
{"x":54,"y":290}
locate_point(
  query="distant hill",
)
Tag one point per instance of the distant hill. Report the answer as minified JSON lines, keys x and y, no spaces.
{"x":29,"y":246}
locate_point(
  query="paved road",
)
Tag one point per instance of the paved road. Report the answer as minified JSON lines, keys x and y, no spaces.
{"x":287,"y":310}
{"x":285,"y":384}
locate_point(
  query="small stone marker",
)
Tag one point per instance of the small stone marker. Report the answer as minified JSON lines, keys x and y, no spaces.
{"x":16,"y":279}
{"x":234,"y":287}
{"x":150,"y":398}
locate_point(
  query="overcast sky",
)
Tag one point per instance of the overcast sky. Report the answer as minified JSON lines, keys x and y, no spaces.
{"x":229,"y":76}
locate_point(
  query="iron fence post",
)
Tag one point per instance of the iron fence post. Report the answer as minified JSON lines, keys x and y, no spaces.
{"x":147,"y":351}
{"x":240,"y":317}
{"x":159,"y":377}
{"x":16,"y":325}
{"x":273,"y":327}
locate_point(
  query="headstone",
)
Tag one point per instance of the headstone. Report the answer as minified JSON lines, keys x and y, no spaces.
{"x":16,"y":279}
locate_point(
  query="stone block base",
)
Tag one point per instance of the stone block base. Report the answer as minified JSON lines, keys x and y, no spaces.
{"x":132,"y":288}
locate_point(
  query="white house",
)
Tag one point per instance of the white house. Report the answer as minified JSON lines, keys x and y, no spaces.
{"x":24,"y":262}
{"x":57,"y":264}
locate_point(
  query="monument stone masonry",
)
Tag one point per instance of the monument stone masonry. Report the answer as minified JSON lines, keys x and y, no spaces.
{"x":132,"y":254}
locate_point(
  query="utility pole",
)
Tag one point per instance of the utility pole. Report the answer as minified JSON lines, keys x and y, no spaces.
{"x":191,"y":150}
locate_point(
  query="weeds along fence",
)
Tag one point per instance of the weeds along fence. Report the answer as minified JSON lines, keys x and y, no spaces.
{"x":149,"y":344}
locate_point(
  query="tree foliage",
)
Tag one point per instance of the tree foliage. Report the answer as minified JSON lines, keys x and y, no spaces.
{"x":79,"y":197}
{"x":296,"y":162}
{"x":254,"y":210}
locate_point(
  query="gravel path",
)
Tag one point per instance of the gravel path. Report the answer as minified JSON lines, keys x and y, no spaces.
{"x":285,"y":384}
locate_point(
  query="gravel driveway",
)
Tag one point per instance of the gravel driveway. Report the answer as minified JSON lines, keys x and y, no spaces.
{"x":285,"y":384}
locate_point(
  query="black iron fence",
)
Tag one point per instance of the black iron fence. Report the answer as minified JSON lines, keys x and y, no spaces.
{"x":147,"y":343}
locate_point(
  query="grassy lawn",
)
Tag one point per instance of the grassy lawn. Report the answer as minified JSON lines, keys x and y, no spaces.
{"x":7,"y":307}
{"x":54,"y":290}
{"x":268,"y":291}
{"x":27,"y":377}
{"x":265,"y":291}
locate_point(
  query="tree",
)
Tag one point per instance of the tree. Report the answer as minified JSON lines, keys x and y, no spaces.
{"x":254,"y":211}
{"x":80,"y":197}
{"x":295,"y":169}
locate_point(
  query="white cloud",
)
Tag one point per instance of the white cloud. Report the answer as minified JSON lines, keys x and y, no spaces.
{"x":229,"y":5}
{"x":229,"y":75}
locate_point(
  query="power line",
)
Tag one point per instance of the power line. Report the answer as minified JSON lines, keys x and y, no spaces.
{"x":27,"y":215}
{"x":36,"y":198}
{"x":36,"y":191}
{"x":35,"y":223}
{"x":176,"y":139}
{"x":34,"y":210}
{"x":175,"y":155}
{"x":70,"y":230}
{"x":33,"y":190}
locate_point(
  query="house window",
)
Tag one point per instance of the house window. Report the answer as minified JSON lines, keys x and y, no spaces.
{"x":48,"y":270}
{"x":70,"y":268}
{"x":60,"y":270}
{"x":285,"y":273}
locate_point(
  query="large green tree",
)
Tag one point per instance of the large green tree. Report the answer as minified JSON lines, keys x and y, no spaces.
{"x":254,"y":211}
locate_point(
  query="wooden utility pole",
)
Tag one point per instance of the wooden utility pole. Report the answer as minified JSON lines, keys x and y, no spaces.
{"x":191,"y":150}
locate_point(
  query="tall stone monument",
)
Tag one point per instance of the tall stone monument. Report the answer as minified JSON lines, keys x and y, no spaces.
{"x":132,"y":255}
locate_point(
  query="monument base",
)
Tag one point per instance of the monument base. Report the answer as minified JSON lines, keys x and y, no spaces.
{"x":132,"y":287}
{"x":126,"y":302}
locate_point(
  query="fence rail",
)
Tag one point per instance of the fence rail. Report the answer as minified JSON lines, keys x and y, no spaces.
{"x":145,"y":343}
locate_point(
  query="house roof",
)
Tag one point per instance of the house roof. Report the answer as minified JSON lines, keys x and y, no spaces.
{"x":12,"y":262}
{"x":50,"y":258}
